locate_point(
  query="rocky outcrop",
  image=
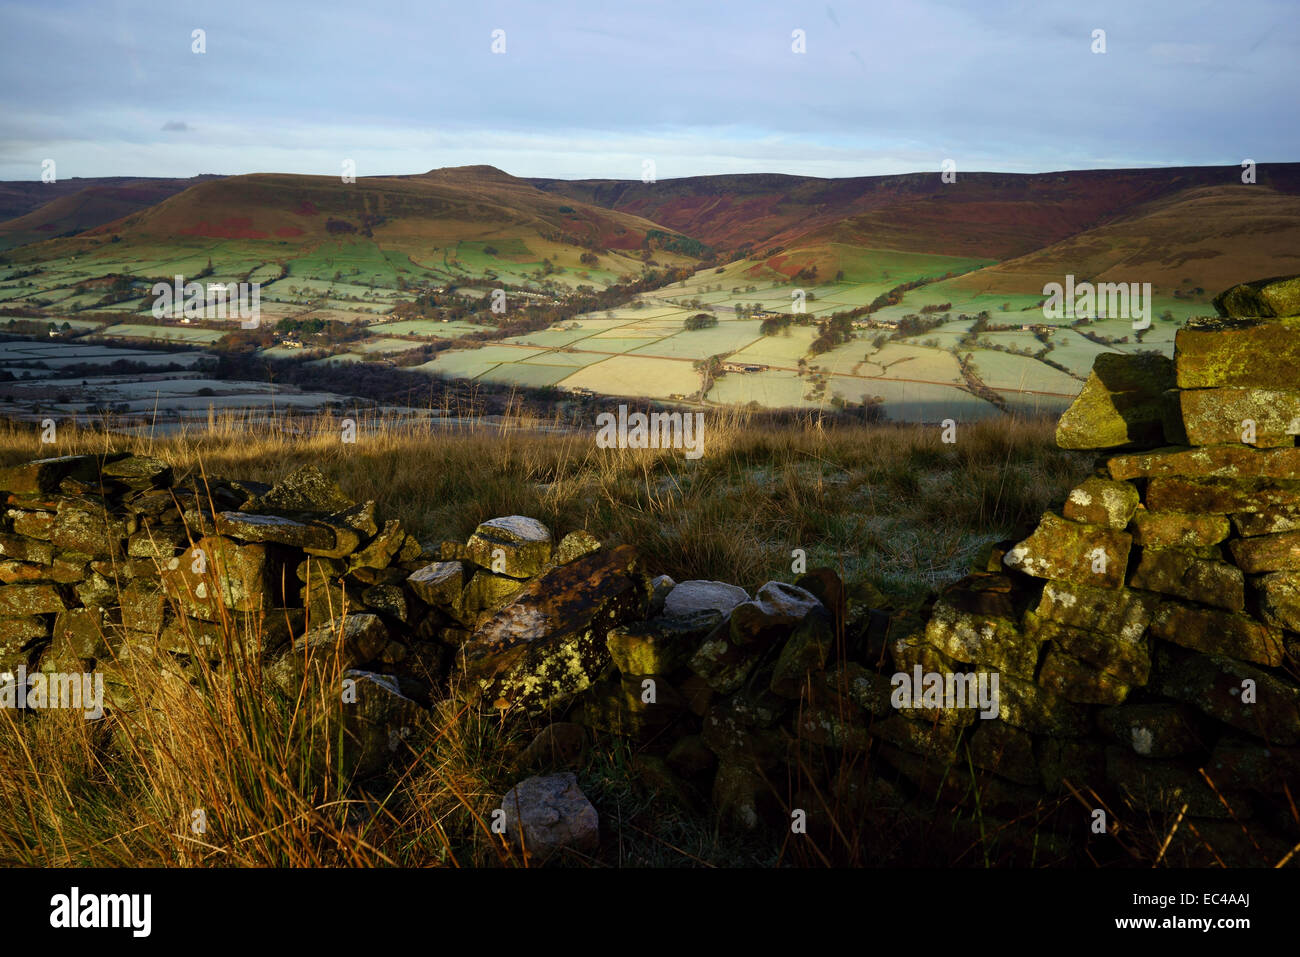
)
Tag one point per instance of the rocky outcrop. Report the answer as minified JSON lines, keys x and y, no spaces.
{"x":1152,"y":621}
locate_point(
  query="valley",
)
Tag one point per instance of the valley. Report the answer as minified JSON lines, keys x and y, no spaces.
{"x":902,"y":298}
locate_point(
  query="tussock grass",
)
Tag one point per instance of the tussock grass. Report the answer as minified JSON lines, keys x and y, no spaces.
{"x":887,"y":506}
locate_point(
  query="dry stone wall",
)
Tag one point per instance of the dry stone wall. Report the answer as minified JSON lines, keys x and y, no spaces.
{"x":1136,"y":654}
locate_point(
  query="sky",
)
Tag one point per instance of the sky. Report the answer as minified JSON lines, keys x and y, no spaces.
{"x":597,"y":89}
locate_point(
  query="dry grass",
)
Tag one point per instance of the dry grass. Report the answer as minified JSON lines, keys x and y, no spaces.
{"x":891,"y":507}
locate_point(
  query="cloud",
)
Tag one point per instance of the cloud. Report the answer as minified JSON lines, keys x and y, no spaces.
{"x":589,"y":88}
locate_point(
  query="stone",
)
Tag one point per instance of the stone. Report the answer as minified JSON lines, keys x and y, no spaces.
{"x":389,"y":599}
{"x":721,"y":663}
{"x":69,"y":568}
{"x":548,"y":815}
{"x":43,"y":476}
{"x":356,"y":639}
{"x":1267,"y":553}
{"x":633,"y":707}
{"x":12,"y":573}
{"x":1155,"y":730}
{"x":1178,"y":572}
{"x":378,"y":719}
{"x":17,"y":635}
{"x":1211,"y":461}
{"x":24,"y":549}
{"x":382,"y":549}
{"x":825,"y":585}
{"x":158,"y":504}
{"x":303,"y":490}
{"x":661,"y":645}
{"x":731,"y":731}
{"x":804,"y":652}
{"x":316,"y":569}
{"x":379,"y":576}
{"x":1125,"y":658}
{"x":944,"y":780}
{"x":1123,"y":402}
{"x":1279,"y":599}
{"x":839,"y":725}
{"x":1221,"y":497}
{"x":1219,"y":416}
{"x":30,"y":523}
{"x":158,"y":542}
{"x":974,"y":638}
{"x":80,"y":633}
{"x":1279,"y":296}
{"x":868,"y":690}
{"x":1218,"y":633}
{"x":513,"y":545}
{"x":1269,"y":522}
{"x":561,"y":744}
{"x":329,"y":601}
{"x":96,"y":591}
{"x":1006,"y":750}
{"x":1178,"y":529}
{"x":660,"y":586}
{"x":336,"y":540}
{"x":219,"y":571}
{"x":1076,"y":680}
{"x":908,"y":648}
{"x":91,"y":533}
{"x":250,"y":527}
{"x":1099,"y":501}
{"x":246,"y":635}
{"x":548,"y":643}
{"x":932,"y":736}
{"x":1072,"y":760}
{"x":772,"y":614}
{"x":1163,"y":787}
{"x":18,"y":601}
{"x":139,"y":472}
{"x":1117,"y":612}
{"x":1219,"y":686}
{"x":454,"y":552}
{"x":359,"y":518}
{"x":742,"y":799}
{"x":575,"y":545}
{"x":691,"y":596}
{"x":144,"y":606}
{"x":1242,"y":763}
{"x":483,"y":593}
{"x":1039,"y":710}
{"x":439,"y":584}
{"x":691,"y":757}
{"x":1072,"y":552}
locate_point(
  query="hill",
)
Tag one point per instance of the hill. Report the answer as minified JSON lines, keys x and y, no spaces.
{"x":984,"y":215}
{"x":1206,"y":237}
{"x":33,"y":211}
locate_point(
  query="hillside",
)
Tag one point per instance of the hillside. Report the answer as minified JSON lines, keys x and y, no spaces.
{"x":1206,"y":237}
{"x":987,"y":215}
{"x":33,"y":211}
